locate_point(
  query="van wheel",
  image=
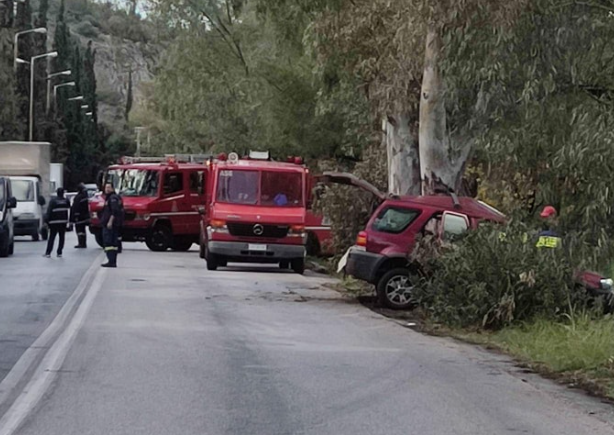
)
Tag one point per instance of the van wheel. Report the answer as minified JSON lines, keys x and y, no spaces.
{"x":12,"y":247}
{"x":395,"y":288}
{"x":45,"y":233}
{"x":298,"y":265}
{"x":35,"y":237}
{"x":4,"y":248}
{"x":284,"y":264}
{"x":160,"y":238}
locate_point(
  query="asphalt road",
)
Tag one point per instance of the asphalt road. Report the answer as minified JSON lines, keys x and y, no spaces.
{"x":32,"y":291}
{"x":162,"y":346}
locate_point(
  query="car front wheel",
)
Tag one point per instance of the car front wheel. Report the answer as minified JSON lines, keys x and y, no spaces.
{"x":395,"y":289}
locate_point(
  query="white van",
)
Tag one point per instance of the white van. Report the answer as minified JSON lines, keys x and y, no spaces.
{"x":30,"y":211}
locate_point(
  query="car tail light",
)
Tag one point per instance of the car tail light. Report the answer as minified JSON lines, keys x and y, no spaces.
{"x":361,"y":240}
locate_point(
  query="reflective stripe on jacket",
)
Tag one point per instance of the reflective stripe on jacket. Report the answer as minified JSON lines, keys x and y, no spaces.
{"x":58,"y":211}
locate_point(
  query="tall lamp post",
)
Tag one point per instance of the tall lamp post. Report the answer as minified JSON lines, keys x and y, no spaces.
{"x":55,"y":92}
{"x":17,"y":35}
{"x":49,"y":78}
{"x":32,"y":69}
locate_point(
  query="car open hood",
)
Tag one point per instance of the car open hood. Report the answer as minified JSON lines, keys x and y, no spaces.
{"x":265,"y":215}
{"x":348,"y":179}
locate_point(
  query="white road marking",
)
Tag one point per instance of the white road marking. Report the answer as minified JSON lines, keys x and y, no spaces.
{"x":47,"y":370}
{"x":39,"y":346}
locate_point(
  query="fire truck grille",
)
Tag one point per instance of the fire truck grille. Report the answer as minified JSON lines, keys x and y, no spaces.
{"x":129,"y":215}
{"x":258,"y":230}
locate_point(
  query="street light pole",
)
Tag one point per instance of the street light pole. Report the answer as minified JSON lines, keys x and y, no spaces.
{"x":32,"y":70}
{"x":49,"y":77}
{"x":16,"y":47}
{"x":55,"y":93}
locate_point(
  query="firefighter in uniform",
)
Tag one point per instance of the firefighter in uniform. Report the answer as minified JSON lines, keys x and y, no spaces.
{"x":57,"y":218}
{"x":80,"y":216}
{"x":111,"y":221}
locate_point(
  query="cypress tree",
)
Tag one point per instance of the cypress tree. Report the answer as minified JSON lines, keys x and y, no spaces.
{"x":129,"y":96}
{"x":25,"y":50}
{"x":10,"y":127}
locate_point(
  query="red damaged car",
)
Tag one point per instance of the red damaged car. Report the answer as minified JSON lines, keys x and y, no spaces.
{"x":380,"y":256}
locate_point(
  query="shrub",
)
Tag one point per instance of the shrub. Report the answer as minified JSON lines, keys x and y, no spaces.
{"x":87,"y":29}
{"x":492,"y":279}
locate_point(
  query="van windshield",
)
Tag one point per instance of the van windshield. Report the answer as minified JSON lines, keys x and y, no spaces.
{"x":23,"y":190}
{"x":266,"y":188}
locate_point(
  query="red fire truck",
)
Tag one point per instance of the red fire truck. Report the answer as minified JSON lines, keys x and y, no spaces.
{"x":161,"y":197}
{"x":255,"y":212}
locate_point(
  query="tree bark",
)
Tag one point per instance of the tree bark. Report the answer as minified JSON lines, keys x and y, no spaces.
{"x":442,"y":160}
{"x":403,"y":156}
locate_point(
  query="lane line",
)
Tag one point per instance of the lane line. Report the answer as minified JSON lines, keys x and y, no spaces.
{"x":47,"y":370}
{"x":40,"y":345}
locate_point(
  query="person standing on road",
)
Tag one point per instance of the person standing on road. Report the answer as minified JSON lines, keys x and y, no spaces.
{"x":111,"y":221}
{"x":80,"y":215}
{"x":57,"y":219}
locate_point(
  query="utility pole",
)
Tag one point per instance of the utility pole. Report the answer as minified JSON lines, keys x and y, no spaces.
{"x":138,"y":140}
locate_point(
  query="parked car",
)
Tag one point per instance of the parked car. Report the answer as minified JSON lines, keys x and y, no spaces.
{"x":7,"y":203}
{"x":382,"y":250}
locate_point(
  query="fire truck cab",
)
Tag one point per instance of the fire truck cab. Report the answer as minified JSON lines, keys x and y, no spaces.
{"x":161,"y":197}
{"x":255,"y":212}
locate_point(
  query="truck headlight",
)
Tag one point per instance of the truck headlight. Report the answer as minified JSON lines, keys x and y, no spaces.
{"x":607,"y":284}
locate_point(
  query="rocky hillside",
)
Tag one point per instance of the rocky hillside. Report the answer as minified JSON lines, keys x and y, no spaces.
{"x":123,"y":44}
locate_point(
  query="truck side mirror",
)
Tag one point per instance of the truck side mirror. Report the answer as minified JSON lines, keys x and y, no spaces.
{"x":12,"y":202}
{"x":41,"y":200}
{"x":201,"y":210}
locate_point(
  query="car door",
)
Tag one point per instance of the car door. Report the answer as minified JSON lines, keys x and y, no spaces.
{"x":197,"y":198}
{"x":175,"y":200}
{"x":453,"y":226}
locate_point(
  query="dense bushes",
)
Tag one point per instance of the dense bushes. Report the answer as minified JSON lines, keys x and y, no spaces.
{"x":491,"y":279}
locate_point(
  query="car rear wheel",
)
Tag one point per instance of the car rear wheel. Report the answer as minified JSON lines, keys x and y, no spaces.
{"x":395,"y":289}
{"x":298,"y":265}
{"x":160,"y":238}
{"x":212,"y":263}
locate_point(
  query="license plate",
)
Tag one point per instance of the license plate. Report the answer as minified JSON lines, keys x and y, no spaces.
{"x":258,"y":248}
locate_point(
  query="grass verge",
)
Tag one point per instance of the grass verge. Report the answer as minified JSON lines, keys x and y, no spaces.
{"x":578,"y":350}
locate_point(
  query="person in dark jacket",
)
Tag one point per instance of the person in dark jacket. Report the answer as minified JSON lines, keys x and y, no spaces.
{"x":111,"y":220}
{"x":80,"y":215}
{"x":57,"y":218}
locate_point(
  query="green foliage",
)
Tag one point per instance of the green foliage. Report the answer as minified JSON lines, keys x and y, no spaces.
{"x":87,"y":29}
{"x":487,"y":280}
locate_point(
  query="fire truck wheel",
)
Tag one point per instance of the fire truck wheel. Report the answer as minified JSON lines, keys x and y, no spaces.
{"x":211,"y":260}
{"x":284,"y":265}
{"x":181,"y":245}
{"x":313,"y":245}
{"x":160,"y":238}
{"x":298,"y":265}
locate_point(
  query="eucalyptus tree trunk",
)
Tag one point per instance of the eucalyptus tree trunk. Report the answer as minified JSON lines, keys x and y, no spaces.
{"x":442,"y":157}
{"x":403,"y":155}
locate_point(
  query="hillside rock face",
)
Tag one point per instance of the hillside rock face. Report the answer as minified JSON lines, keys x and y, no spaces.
{"x":115,"y":58}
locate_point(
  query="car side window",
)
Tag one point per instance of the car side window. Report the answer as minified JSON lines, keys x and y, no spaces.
{"x":394,"y":220}
{"x":454,"y":226}
{"x":173,"y":182}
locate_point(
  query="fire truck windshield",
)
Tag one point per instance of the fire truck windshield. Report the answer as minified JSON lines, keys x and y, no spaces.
{"x":134,"y":182}
{"x":139,"y":182}
{"x":266,"y":188}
